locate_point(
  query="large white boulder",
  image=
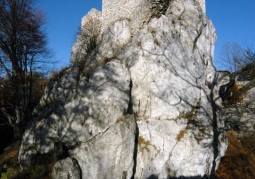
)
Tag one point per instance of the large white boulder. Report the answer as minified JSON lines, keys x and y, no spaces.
{"x":144,"y":104}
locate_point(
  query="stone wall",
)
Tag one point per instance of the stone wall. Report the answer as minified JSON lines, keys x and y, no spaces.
{"x":137,"y":11}
{"x":114,"y":10}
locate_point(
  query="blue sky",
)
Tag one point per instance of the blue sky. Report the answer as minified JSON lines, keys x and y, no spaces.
{"x":234,"y":21}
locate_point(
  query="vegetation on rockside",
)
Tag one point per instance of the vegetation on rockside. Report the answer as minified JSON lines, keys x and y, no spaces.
{"x":239,"y":160}
{"x":10,"y":168}
{"x":241,"y":64}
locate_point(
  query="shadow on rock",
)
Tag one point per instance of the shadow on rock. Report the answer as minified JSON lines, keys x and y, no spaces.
{"x":181,"y":177}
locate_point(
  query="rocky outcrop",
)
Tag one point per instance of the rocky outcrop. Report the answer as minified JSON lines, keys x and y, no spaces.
{"x":88,"y":37}
{"x":239,"y":115}
{"x":66,"y":169}
{"x":140,"y":105}
{"x":240,"y":118}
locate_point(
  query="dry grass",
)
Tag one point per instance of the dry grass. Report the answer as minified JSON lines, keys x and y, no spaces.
{"x":239,"y":160}
{"x":10,"y":167}
{"x":236,"y":97}
{"x":180,"y":135}
{"x":144,"y":144}
{"x":56,"y":75}
{"x":119,"y":120}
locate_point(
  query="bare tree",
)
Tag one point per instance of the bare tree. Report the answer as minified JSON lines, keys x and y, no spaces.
{"x":241,"y":64}
{"x":23,"y":44}
{"x":231,"y":56}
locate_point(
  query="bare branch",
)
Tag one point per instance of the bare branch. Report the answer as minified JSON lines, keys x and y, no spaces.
{"x":10,"y":118}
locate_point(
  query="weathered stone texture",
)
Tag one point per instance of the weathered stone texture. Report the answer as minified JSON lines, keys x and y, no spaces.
{"x":91,"y":26}
{"x":136,"y":11}
{"x":202,"y":4}
{"x":143,"y":104}
{"x":109,"y":154}
{"x":92,"y":22}
{"x":66,"y":169}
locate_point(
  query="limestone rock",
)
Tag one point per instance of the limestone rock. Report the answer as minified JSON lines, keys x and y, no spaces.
{"x":89,"y":36}
{"x":239,"y":118}
{"x":92,"y":22}
{"x":144,"y":104}
{"x":249,"y":97}
{"x":60,"y":87}
{"x":116,"y":37}
{"x":66,"y":169}
{"x":93,"y":107}
{"x":81,"y":48}
{"x":111,"y":44}
{"x":171,"y":69}
{"x":221,"y":80}
{"x":110,"y":154}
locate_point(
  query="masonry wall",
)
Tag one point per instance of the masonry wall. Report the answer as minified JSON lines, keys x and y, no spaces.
{"x":138,"y":11}
{"x":114,"y":10}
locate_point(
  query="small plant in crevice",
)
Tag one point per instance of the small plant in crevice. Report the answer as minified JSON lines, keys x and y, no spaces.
{"x":139,"y":44}
{"x":181,"y":135}
{"x":235,"y":96}
{"x":56,"y":75}
{"x":156,"y":41}
{"x":180,"y":17}
{"x":143,"y":144}
{"x":159,"y":7}
{"x":119,"y":120}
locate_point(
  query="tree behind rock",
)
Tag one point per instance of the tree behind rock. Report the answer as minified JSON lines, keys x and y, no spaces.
{"x":241,"y":64}
{"x":22,"y":47}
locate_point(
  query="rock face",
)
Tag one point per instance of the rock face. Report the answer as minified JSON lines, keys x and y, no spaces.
{"x":240,"y":116}
{"x":88,"y":37}
{"x":138,"y":105}
{"x":66,"y":169}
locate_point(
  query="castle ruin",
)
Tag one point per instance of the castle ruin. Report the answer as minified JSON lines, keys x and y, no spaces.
{"x":137,"y":11}
{"x":140,"y":10}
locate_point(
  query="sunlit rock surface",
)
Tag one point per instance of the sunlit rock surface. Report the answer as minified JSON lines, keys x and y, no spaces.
{"x":140,"y":105}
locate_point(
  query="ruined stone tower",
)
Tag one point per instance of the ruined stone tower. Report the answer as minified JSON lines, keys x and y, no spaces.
{"x":139,"y":10}
{"x":114,"y":10}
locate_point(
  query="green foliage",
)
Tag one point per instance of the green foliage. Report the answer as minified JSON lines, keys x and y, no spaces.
{"x":11,"y":172}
